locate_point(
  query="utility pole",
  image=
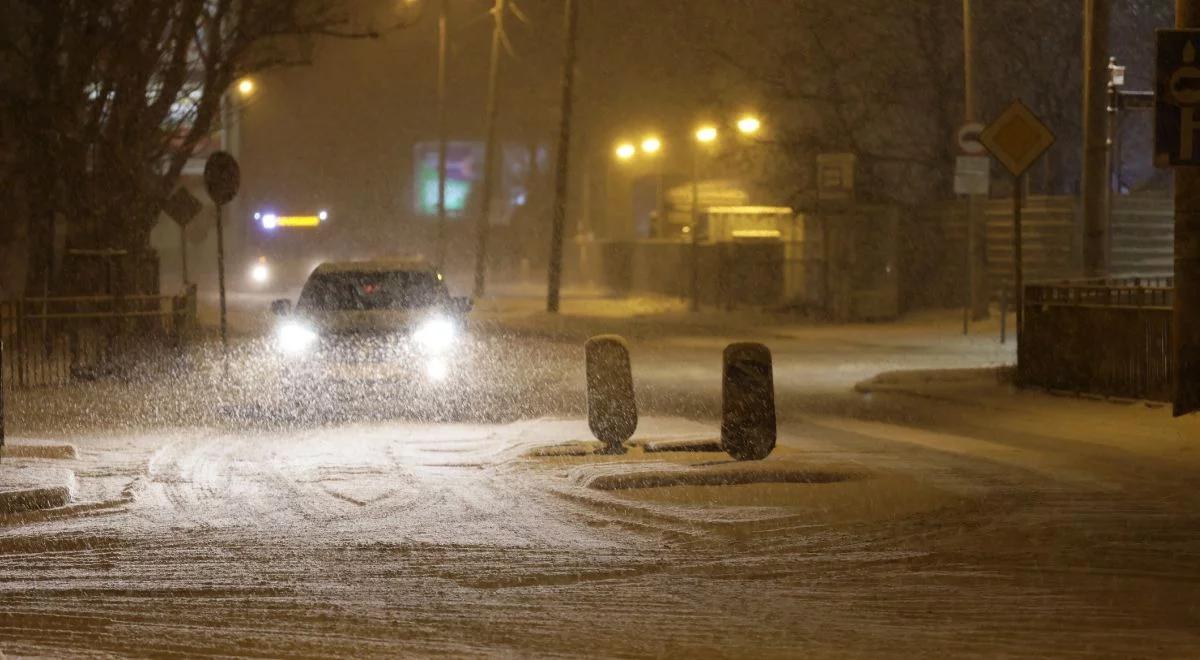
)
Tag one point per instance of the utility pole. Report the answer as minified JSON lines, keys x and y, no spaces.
{"x":443,"y":19}
{"x":561,"y":179}
{"x":1186,"y":314}
{"x":489,"y":151}
{"x":1095,"y":135}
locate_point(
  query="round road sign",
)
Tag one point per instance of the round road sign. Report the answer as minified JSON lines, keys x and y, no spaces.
{"x":968,"y":139}
{"x":222,"y":177}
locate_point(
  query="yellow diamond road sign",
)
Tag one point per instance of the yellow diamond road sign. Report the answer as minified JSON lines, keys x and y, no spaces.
{"x":1017,"y":138}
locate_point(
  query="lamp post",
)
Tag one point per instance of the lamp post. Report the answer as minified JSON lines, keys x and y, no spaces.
{"x":705,"y":135}
{"x":443,"y":20}
{"x":233,"y":103}
{"x":652,"y":147}
{"x":489,"y":150}
{"x":1116,"y":80}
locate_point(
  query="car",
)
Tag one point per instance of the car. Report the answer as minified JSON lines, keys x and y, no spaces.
{"x":366,"y":323}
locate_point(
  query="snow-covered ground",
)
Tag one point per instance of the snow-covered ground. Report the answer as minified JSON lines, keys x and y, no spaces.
{"x":931,"y":516}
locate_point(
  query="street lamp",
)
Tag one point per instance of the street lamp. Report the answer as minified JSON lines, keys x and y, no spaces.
{"x":626,"y":151}
{"x":749,"y":124}
{"x":706,"y":135}
{"x":245,"y":87}
{"x":651,"y":146}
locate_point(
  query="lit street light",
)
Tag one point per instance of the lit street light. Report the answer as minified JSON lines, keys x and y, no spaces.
{"x":749,"y":124}
{"x":245,"y":87}
{"x":705,"y":135}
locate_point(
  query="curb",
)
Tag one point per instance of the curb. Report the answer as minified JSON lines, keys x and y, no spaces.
{"x":39,"y":489}
{"x":40,"y":450}
{"x":34,"y":499}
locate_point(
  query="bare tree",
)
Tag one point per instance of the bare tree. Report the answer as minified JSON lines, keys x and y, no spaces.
{"x":105,"y":101}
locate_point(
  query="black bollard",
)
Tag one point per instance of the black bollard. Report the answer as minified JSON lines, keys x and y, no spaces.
{"x":747,"y":402}
{"x":612,"y":409}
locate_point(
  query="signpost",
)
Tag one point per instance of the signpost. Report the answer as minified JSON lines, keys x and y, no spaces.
{"x":182,"y":206}
{"x":222,"y":177}
{"x":1176,"y":100}
{"x":972,"y":176}
{"x":1017,"y":139}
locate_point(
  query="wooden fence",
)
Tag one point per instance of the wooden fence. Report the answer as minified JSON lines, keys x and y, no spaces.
{"x":49,"y":341}
{"x":1106,"y":337}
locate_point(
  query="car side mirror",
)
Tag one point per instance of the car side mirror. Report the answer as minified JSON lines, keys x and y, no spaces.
{"x":281,"y":307}
{"x":462,"y":305}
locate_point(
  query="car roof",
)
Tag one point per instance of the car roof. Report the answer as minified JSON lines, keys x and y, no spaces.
{"x":403,"y":265}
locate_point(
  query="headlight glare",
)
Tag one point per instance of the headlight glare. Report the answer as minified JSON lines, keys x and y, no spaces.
{"x":295,"y":338}
{"x":436,"y":335}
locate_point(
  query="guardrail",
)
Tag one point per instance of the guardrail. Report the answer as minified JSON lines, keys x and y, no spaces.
{"x":51,"y":340}
{"x":1105,"y":337}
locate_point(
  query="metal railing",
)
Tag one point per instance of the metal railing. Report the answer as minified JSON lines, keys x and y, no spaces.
{"x":1104,"y":337}
{"x":49,"y":341}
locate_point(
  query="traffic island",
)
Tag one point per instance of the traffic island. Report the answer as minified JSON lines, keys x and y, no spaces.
{"x":24,"y":489}
{"x":576,"y":448}
{"x":711,"y":490}
{"x":702,"y":446}
{"x":669,"y":475}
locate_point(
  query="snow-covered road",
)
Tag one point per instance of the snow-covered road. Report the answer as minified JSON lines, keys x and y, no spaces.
{"x":1016,"y":527}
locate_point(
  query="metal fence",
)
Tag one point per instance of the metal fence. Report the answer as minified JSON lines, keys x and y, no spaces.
{"x":1106,"y":337}
{"x":49,"y":341}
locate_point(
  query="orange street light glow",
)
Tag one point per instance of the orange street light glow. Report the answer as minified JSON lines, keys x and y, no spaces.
{"x":749,"y":125}
{"x":625,"y":151}
{"x":651,"y":145}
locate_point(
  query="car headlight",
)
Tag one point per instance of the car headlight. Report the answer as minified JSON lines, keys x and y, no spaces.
{"x":294,"y":338}
{"x":436,"y":370}
{"x":436,"y":335}
{"x":260,"y":273}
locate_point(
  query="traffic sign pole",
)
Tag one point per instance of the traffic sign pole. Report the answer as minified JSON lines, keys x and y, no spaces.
{"x":1017,"y":138}
{"x":183,"y":254}
{"x":1018,"y":262}
{"x":222,"y":177}
{"x":221,"y":287}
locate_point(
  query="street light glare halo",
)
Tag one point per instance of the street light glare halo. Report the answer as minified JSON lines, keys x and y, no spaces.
{"x":626,"y":150}
{"x":749,"y":124}
{"x":706,"y":134}
{"x":245,"y":86}
{"x":651,"y":145}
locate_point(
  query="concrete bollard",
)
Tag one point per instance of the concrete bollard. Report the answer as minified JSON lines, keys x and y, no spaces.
{"x":747,"y":402}
{"x":612,"y":409}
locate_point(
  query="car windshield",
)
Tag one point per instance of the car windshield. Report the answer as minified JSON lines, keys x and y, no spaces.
{"x":372,"y":291}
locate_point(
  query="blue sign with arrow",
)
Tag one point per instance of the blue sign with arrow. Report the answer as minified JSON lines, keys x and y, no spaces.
{"x":1177,"y":98}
